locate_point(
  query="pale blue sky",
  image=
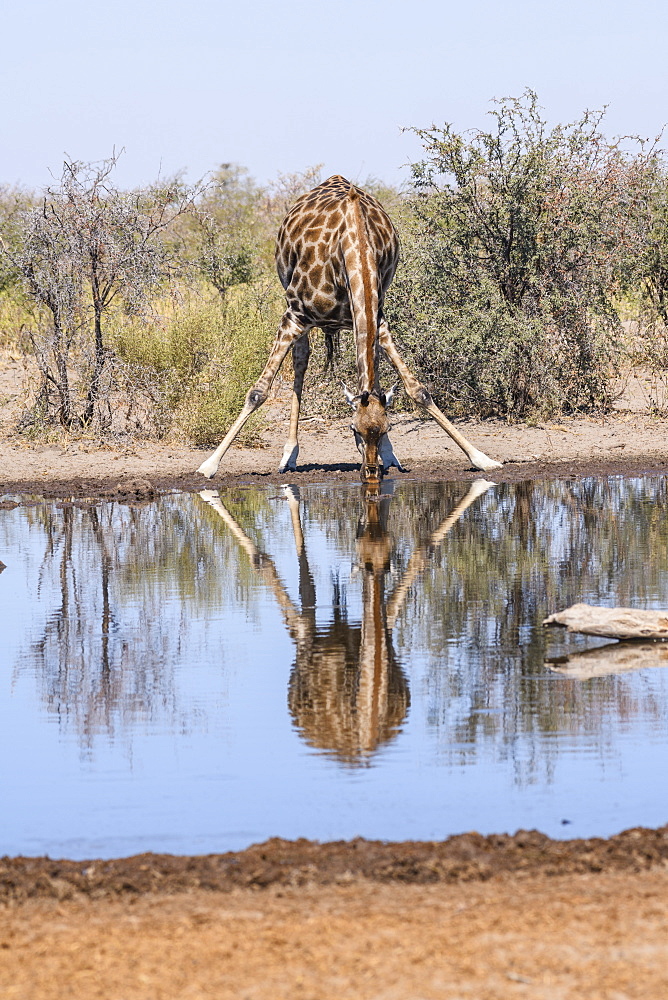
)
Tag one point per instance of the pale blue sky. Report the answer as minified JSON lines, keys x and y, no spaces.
{"x":279,"y":87}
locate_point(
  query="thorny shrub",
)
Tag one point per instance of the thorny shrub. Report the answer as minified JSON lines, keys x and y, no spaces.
{"x":517,"y":243}
{"x":86,"y":248}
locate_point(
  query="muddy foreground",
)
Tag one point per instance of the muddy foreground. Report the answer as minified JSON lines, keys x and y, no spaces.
{"x":475,"y":917}
{"x":483,"y":917}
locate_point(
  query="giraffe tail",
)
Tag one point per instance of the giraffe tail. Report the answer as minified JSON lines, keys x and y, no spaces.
{"x":331,"y":350}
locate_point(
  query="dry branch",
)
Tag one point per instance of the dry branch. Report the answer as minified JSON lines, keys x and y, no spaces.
{"x":613,"y":623}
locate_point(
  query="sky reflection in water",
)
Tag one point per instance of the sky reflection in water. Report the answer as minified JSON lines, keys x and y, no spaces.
{"x":203,"y":672}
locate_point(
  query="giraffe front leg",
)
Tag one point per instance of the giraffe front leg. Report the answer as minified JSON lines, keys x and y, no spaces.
{"x":421,"y":395}
{"x":301,"y":350}
{"x":289,"y":330}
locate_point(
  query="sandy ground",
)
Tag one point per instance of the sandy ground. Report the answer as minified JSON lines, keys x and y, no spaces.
{"x":473,"y":917}
{"x":476,"y":917}
{"x":599,"y":937}
{"x":630,"y":440}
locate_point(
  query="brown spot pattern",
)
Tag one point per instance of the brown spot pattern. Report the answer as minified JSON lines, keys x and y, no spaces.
{"x":336,"y":254}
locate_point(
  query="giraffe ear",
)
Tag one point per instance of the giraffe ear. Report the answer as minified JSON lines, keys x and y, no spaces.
{"x":365,"y":399}
{"x":389,"y":395}
{"x":349,"y":396}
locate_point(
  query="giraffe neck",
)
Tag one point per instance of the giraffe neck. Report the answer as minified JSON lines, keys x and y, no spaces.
{"x":367,"y":330}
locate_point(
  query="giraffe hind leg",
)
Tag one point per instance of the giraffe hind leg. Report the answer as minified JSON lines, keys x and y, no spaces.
{"x":387,"y":456}
{"x":301,"y":350}
{"x":289,"y":330}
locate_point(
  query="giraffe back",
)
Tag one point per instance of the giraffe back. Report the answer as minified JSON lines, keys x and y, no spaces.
{"x":333,"y":238}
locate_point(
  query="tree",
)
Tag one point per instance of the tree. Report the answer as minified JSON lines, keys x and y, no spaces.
{"x":86,"y":247}
{"x":284,"y":191}
{"x":227,"y":229}
{"x":652,"y":264}
{"x":519,"y":238}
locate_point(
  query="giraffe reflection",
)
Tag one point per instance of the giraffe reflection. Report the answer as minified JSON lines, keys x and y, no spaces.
{"x":348,"y":694}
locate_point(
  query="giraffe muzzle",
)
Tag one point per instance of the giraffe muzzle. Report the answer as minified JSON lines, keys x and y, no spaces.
{"x":371,"y":473}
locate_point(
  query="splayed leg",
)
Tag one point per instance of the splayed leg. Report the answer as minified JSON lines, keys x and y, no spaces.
{"x":289,"y":330}
{"x":387,"y":456}
{"x":301,"y":350}
{"x":422,"y":396}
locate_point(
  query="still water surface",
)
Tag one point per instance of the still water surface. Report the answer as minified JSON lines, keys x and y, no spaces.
{"x":203,"y":672}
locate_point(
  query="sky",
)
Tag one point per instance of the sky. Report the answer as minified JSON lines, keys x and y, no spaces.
{"x":279,"y":87}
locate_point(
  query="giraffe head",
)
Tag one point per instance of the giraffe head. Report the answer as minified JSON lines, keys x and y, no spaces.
{"x":370,"y":424}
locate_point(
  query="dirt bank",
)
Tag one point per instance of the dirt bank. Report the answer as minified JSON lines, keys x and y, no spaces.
{"x":483,"y":917}
{"x":630,"y":440}
{"x":623,"y":444}
{"x":469,"y":857}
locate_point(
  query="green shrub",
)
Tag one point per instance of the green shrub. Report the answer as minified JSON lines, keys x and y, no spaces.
{"x":207,"y":354}
{"x":17,"y":317}
{"x":505,"y":300}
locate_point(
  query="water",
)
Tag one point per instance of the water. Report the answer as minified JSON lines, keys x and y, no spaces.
{"x":198,"y":674}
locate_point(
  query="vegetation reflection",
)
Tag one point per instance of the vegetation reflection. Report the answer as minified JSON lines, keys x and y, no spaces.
{"x":138,"y":598}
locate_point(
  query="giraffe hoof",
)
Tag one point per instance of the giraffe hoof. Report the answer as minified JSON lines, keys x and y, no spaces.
{"x":289,"y":460}
{"x":480,"y":461}
{"x":209,"y":468}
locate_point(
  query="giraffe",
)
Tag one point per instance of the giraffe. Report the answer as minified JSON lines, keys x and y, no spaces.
{"x":347,"y":691}
{"x":336,"y":254}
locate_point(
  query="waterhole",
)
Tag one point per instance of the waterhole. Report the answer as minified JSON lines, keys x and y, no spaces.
{"x":202,"y":672}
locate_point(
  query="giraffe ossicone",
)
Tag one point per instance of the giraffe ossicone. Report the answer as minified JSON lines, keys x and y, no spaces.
{"x":336,"y":254}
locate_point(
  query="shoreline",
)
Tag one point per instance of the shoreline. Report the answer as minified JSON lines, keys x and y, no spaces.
{"x":467,"y":857}
{"x":618,"y":445}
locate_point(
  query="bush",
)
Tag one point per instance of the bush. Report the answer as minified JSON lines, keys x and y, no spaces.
{"x":517,"y":242}
{"x":205,"y":355}
{"x":217,"y":393}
